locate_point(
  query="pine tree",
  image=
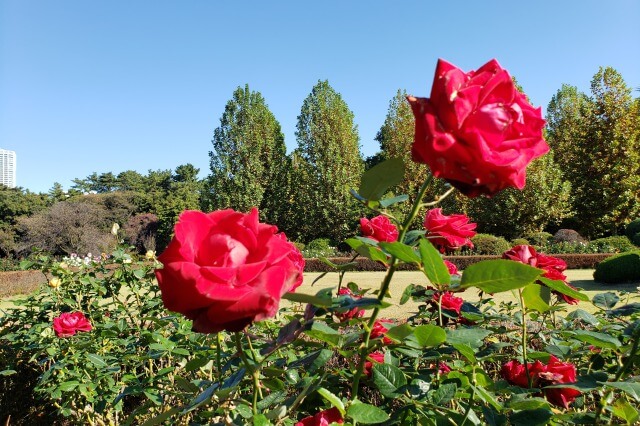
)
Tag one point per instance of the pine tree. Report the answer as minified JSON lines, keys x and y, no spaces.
{"x":327,"y":164}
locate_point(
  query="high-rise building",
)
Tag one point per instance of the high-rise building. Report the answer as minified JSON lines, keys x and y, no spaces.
{"x":8,"y":168}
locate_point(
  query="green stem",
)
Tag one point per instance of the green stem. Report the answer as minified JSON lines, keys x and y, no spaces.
{"x":384,"y":287}
{"x":218,"y":359}
{"x":255,"y":373}
{"x":524,"y":339}
{"x":440,"y":308}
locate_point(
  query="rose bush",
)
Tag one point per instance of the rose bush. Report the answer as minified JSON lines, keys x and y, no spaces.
{"x":323,"y":418}
{"x":477,"y":131}
{"x":69,"y":323}
{"x":449,"y":232}
{"x":225,"y":269}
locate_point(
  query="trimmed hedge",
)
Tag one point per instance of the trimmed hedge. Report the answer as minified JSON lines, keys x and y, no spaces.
{"x":20,"y":282}
{"x":620,"y":268}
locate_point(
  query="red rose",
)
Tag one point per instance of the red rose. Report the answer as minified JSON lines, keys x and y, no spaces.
{"x":449,"y":301}
{"x":453,"y":269}
{"x":477,"y":131}
{"x":553,"y":267}
{"x":323,"y":418}
{"x":69,"y":322}
{"x":443,"y":368}
{"x":225,"y":269}
{"x":448,"y":232}
{"x":376,"y":357}
{"x":379,"y":228}
{"x":379,"y":329}
{"x":553,"y":373}
{"x":351,"y":313}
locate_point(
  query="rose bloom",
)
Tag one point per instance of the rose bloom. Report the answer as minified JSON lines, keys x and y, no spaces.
{"x":449,"y":302}
{"x":452,"y":268}
{"x":351,"y":313}
{"x":553,"y":267}
{"x":443,"y":368}
{"x":379,"y":228}
{"x":448,"y":232}
{"x":323,"y":418}
{"x":376,"y":357}
{"x":379,"y":329}
{"x":477,"y":131}
{"x":225,"y":269}
{"x":553,"y":373}
{"x":68,"y":323}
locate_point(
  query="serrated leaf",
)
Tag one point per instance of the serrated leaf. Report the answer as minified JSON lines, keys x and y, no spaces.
{"x":630,"y":388}
{"x":474,"y":337}
{"x":379,"y":179}
{"x":433,"y":265}
{"x":495,"y":276}
{"x":366,"y":414}
{"x":444,"y":394}
{"x":401,"y":252}
{"x":399,"y":332}
{"x":600,"y":340}
{"x":466,"y":351}
{"x":533,"y":296}
{"x":582,"y":315}
{"x":605,"y":301}
{"x":388,"y":378}
{"x":333,"y":399}
{"x":429,"y":335}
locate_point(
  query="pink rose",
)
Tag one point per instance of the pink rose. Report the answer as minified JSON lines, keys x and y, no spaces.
{"x":376,"y":357}
{"x":225,"y":269}
{"x":351,"y":313}
{"x":449,"y":301}
{"x":448,"y":232}
{"x":379,"y":228}
{"x":379,"y":329}
{"x":323,"y":418}
{"x":477,"y":131}
{"x":68,"y":323}
{"x":452,"y":268}
{"x":553,"y":373}
{"x":443,"y":368}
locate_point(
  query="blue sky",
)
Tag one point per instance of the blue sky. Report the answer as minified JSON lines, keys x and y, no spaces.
{"x":115,"y":85}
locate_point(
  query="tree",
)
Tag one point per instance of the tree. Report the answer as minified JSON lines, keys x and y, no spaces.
{"x":329,"y":163}
{"x":396,"y":138}
{"x":597,"y":142}
{"x":248,"y":161}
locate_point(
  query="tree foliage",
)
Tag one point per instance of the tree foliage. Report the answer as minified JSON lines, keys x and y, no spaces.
{"x":596,"y":140}
{"x":248,"y":161}
{"x":327,"y":163}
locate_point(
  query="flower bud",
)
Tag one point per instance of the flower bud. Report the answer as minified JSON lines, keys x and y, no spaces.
{"x":150,"y":254}
{"x":54,"y":282}
{"x":114,"y":229}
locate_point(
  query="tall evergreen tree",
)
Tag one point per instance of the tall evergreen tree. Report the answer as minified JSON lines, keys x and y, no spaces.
{"x":597,"y":141}
{"x":249,"y":160}
{"x":328,"y":164}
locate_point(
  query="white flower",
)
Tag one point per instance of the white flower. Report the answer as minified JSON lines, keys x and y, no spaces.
{"x":114,"y":229}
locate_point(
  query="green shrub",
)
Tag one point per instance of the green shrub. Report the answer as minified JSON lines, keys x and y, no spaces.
{"x":539,"y":239}
{"x":636,"y":239}
{"x":487,"y":244}
{"x":615,"y":244}
{"x":320,"y":247}
{"x":632,"y":229}
{"x":566,"y":247}
{"x":520,"y":242}
{"x":619,"y":268}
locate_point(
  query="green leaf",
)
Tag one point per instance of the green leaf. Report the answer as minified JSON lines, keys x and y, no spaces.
{"x":323,"y":302}
{"x":388,"y":378}
{"x":366,"y":414}
{"x":630,"y":388}
{"x":561,"y":287}
{"x":406,"y":294}
{"x":96,"y":360}
{"x":533,"y":296}
{"x":377,"y":180}
{"x":401,"y":251}
{"x":366,"y":250}
{"x":582,"y":315}
{"x":260,"y":420}
{"x":528,"y":404}
{"x":399,"y":332}
{"x":537,"y":417}
{"x":434,"y":267}
{"x":429,"y":335}
{"x":391,"y":201}
{"x":625,"y":411}
{"x":495,"y":276}
{"x":626,"y":310}
{"x":323,"y":332}
{"x":161,"y":418}
{"x":605,"y":300}
{"x":154,"y":396}
{"x":600,"y":340}
{"x":466,"y":351}
{"x":68,"y":386}
{"x":444,"y":394}
{"x":333,"y":399}
{"x":473,"y":337}
{"x":7,"y":372}
{"x":196,"y":363}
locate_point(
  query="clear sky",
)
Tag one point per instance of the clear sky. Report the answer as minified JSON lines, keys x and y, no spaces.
{"x":115,"y":85}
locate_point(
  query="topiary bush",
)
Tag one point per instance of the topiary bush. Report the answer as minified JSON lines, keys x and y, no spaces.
{"x":568,"y":236}
{"x":487,"y":244}
{"x":632,"y":229}
{"x":620,"y":268}
{"x":615,"y":244}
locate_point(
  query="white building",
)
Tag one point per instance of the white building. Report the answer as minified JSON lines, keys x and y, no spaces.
{"x":8,"y":168}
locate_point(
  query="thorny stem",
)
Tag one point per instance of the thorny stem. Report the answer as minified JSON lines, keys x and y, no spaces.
{"x":384,"y":287}
{"x":524,"y":339}
{"x":255,"y":373}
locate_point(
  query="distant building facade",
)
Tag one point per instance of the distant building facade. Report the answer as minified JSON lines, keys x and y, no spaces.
{"x":8,"y":168}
